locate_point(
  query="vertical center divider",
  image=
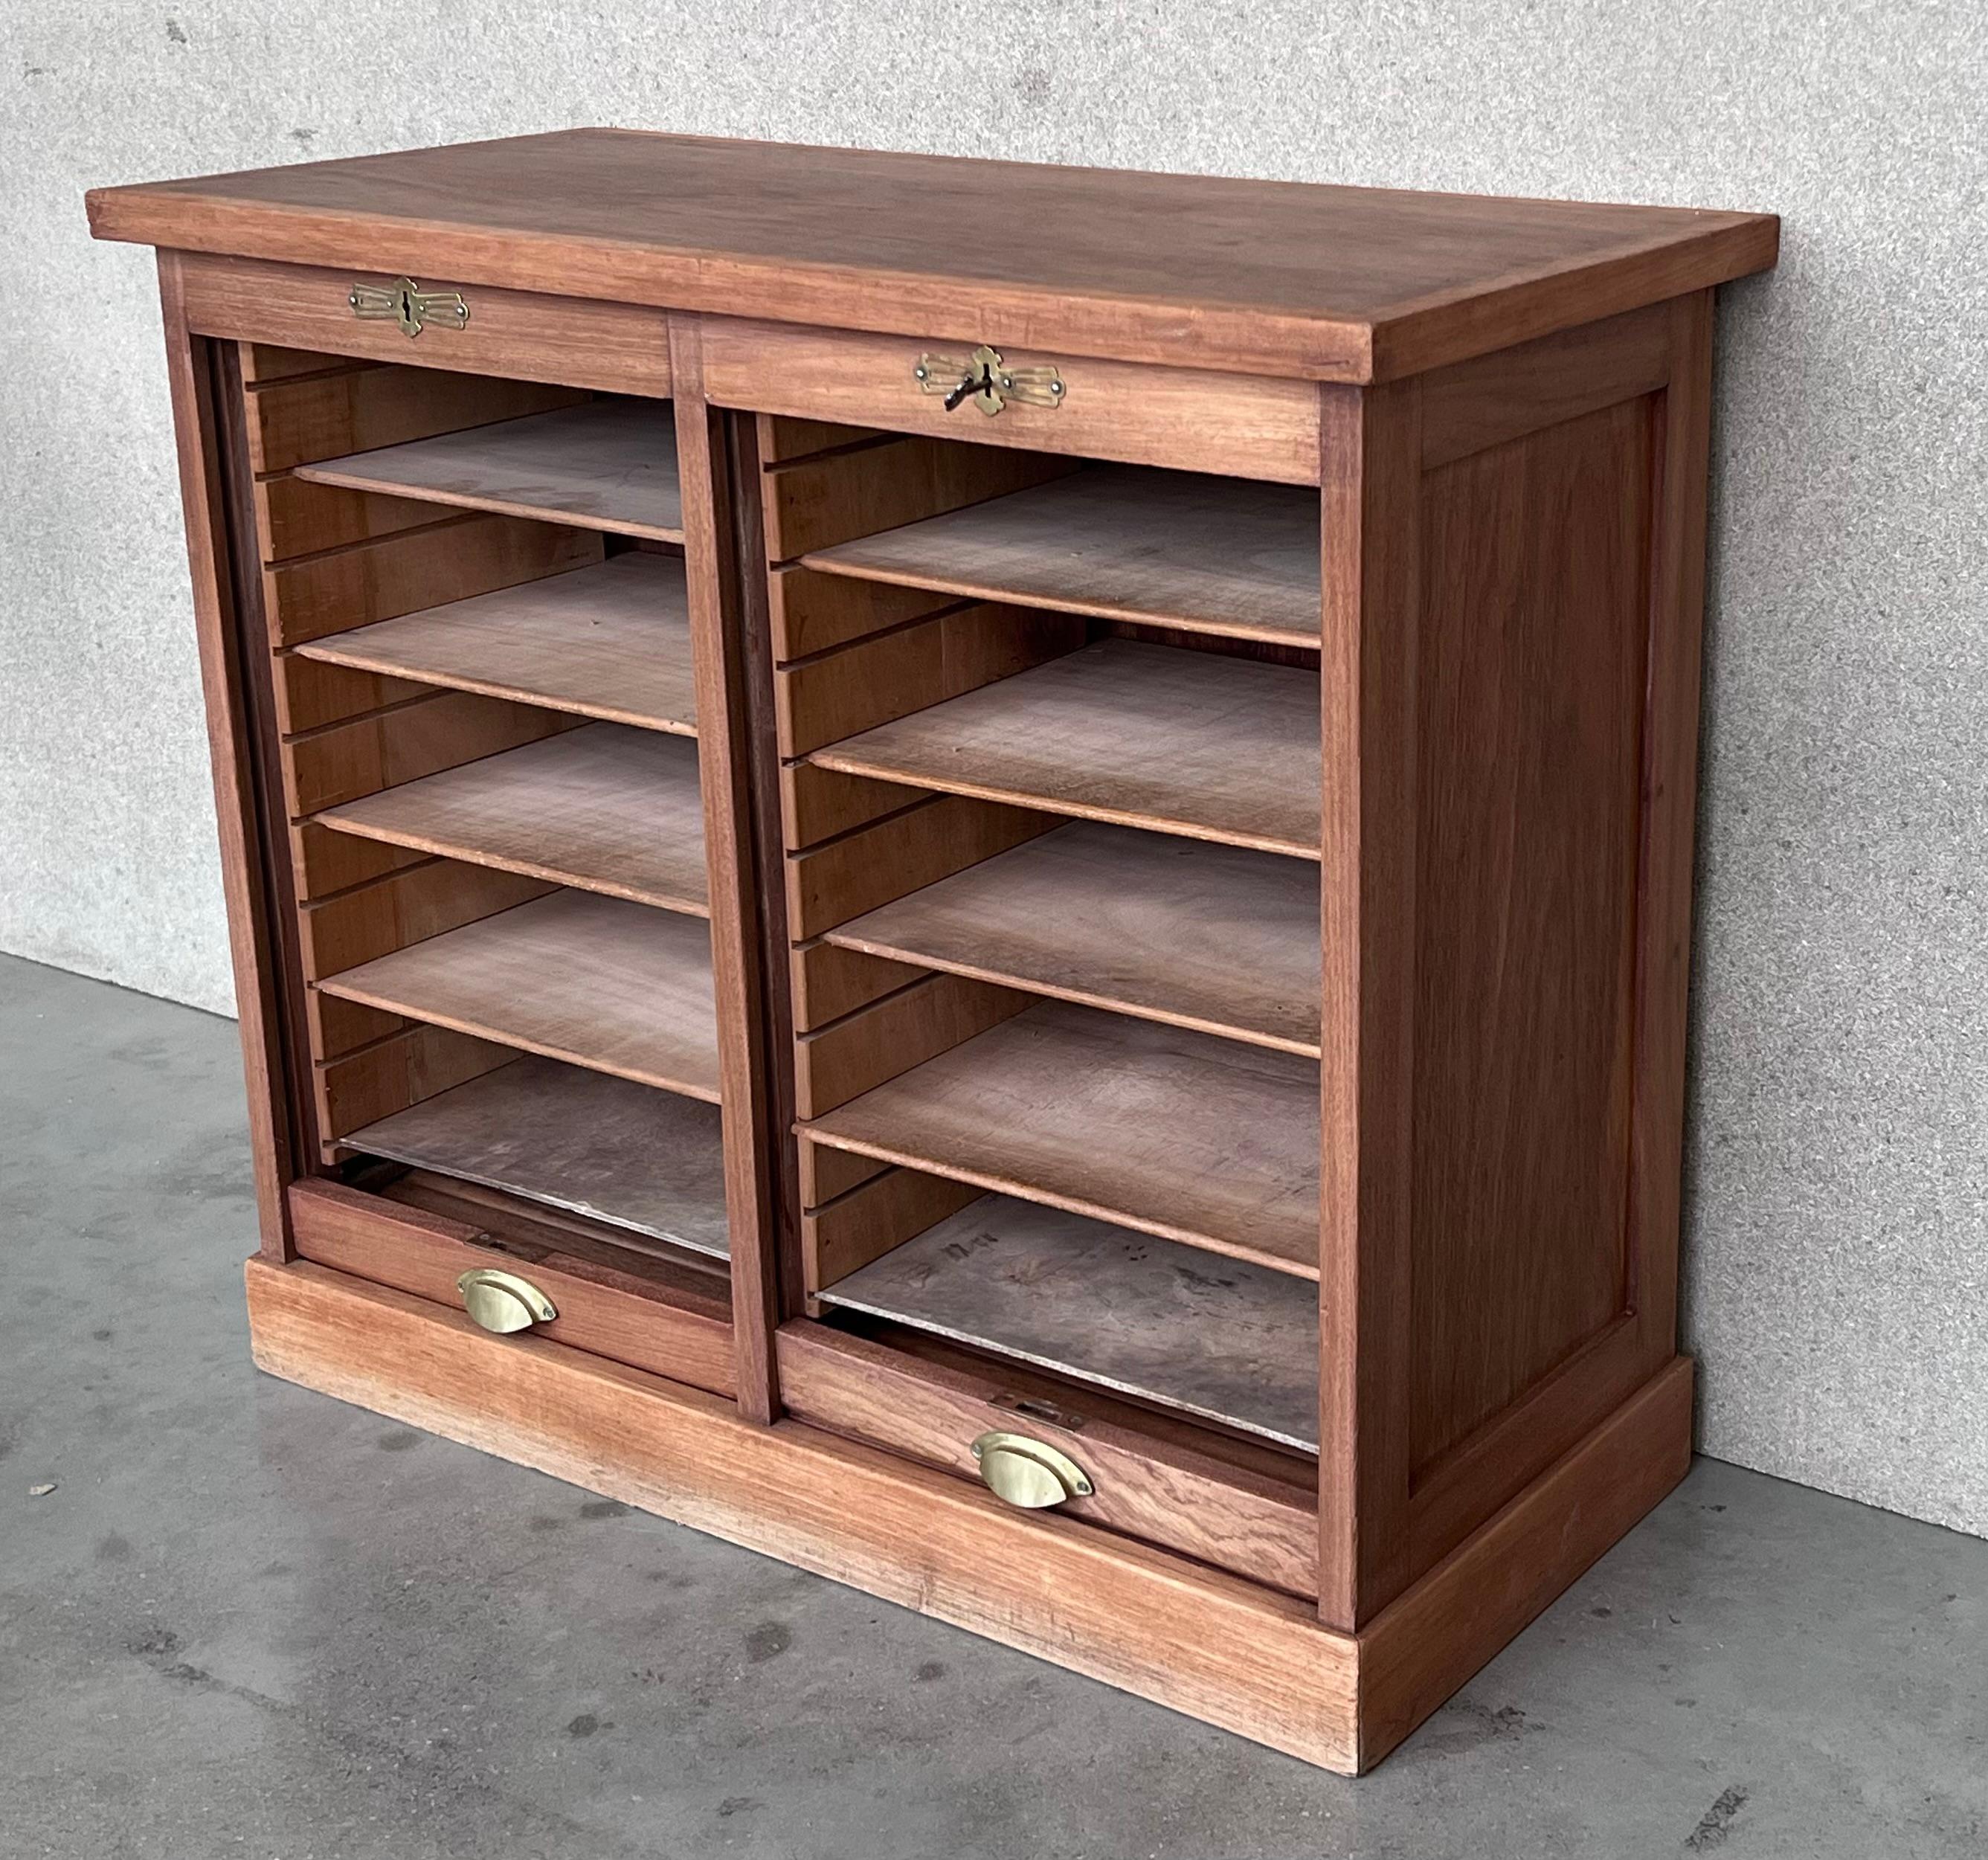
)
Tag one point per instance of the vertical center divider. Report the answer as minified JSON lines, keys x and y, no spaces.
{"x":712,"y":577}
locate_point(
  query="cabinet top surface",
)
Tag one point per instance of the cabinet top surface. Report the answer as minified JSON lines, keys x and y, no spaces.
{"x":1333,"y":283}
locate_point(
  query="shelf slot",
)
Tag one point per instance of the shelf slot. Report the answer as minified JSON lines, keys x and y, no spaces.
{"x":1209,"y":937}
{"x":646,"y":1161}
{"x":1180,"y":742}
{"x":610,"y":641}
{"x":606,"y":808}
{"x":597,"y":982}
{"x":1221,"y":1340}
{"x":1173,"y":549}
{"x":1200,"y":1140}
{"x":605,"y":465}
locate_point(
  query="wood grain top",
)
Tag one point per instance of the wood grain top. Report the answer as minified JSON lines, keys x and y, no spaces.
{"x":1332,"y":283}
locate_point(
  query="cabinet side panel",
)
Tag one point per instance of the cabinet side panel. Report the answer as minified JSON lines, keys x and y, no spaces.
{"x":1531,"y":699}
{"x":204,"y":497}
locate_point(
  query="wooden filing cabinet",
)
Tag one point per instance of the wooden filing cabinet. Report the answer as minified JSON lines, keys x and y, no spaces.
{"x":978,"y":874}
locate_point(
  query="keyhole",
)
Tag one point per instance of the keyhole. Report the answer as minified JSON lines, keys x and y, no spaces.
{"x":974,"y":383}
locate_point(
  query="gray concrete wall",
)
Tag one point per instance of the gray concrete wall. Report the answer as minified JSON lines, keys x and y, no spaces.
{"x":1837,"y":1241}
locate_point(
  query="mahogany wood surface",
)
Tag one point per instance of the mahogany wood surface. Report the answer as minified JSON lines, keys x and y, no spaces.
{"x":1531,"y":677}
{"x":1437,"y":1633}
{"x":716,"y":606}
{"x":914,"y":645}
{"x":606,"y":808}
{"x":1370,"y":451}
{"x":593,"y":981}
{"x":405,"y":906}
{"x":1200,"y":936}
{"x":252,"y":936}
{"x":297,"y":421}
{"x":1231,"y":1652}
{"x":618,"y":348}
{"x":1197,"y":1139}
{"x":649,"y":1161}
{"x":438,"y":730}
{"x":612,"y":642}
{"x":354,"y":1089}
{"x":1248,"y":426}
{"x":864,"y":1222}
{"x":1331,"y":282}
{"x":889,"y":1036}
{"x":622,"y":1311}
{"x":1148,"y":1621}
{"x":892,"y":674}
{"x":1216,"y":748}
{"x":1148,"y":1485}
{"x":1232,"y":1343}
{"x":606,"y":464}
{"x":1208,"y":555}
{"x":450,"y":560}
{"x":816,"y":501}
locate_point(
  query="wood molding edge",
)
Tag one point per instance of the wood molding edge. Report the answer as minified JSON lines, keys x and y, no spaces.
{"x":1169,"y":1630}
{"x":1162,"y":1626}
{"x":1422,"y":1647}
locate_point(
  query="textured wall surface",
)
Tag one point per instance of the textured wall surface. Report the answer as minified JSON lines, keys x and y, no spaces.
{"x":1838,"y":1237}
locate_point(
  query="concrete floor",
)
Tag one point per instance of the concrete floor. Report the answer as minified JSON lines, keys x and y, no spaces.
{"x":250,"y":1620}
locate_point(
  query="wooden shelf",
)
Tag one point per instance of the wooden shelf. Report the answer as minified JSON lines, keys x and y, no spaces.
{"x":611,"y":641}
{"x":604,"y":465}
{"x":594,"y":981}
{"x":1227,"y":1342}
{"x":1173,"y":549}
{"x":1209,"y":937}
{"x":1155,"y":736}
{"x":1179,"y":1134}
{"x":648,"y":1160}
{"x":604,"y":807}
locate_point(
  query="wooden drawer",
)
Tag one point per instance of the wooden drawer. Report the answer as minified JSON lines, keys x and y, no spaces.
{"x":619,"y":348}
{"x":1149,"y":1484}
{"x":1244,"y":426}
{"x":668,"y":1329}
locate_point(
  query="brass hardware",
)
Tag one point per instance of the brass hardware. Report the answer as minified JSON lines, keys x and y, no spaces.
{"x":1030,"y":1473}
{"x":987,"y":381}
{"x":501,"y":1301}
{"x":405,"y":302}
{"x":1038,"y":1407}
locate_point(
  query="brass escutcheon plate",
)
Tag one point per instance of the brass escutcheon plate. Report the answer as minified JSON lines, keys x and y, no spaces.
{"x":986,"y":380}
{"x":405,"y":302}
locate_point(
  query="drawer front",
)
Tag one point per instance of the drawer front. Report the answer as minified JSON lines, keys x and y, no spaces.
{"x":618,"y":348}
{"x":684,"y":1337}
{"x":1157,"y":1490}
{"x":1243,"y":426}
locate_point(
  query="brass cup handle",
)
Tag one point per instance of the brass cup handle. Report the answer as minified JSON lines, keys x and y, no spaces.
{"x":1029,"y":1473}
{"x":501,"y":1301}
